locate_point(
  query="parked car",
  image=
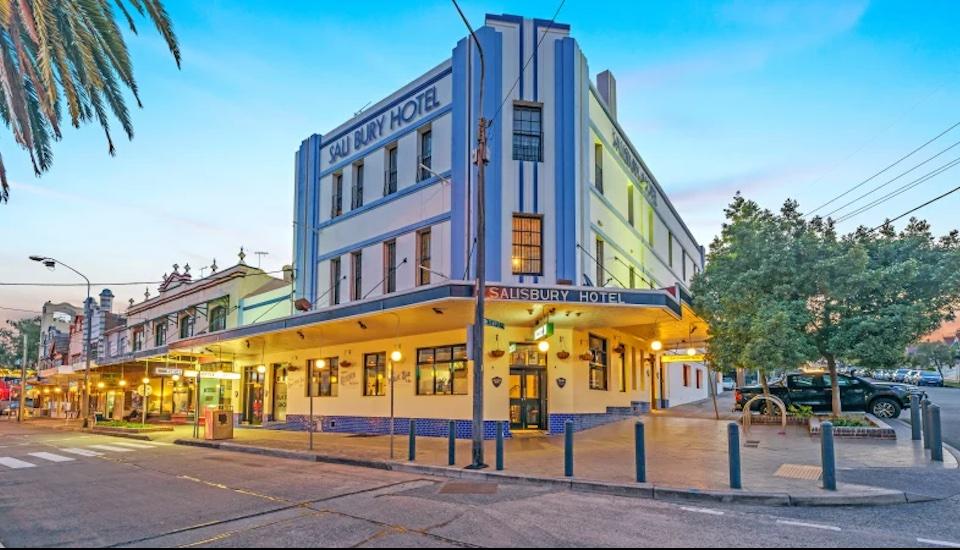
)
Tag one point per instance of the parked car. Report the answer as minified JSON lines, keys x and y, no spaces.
{"x":814,"y":390}
{"x":729,"y":384}
{"x":900,"y":374}
{"x":930,"y":378}
{"x":912,"y":377}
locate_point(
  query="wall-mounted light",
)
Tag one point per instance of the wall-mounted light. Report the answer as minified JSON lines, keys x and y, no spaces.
{"x":122,"y":383}
{"x":691,"y":352}
{"x":396,"y":356}
{"x":146,"y":381}
{"x":543,"y":346}
{"x":261,"y":369}
{"x":656,"y":345}
{"x":101,"y":385}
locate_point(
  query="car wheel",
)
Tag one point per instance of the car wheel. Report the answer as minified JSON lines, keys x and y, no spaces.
{"x":885,"y":408}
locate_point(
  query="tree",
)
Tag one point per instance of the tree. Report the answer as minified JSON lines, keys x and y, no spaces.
{"x":933,"y":355}
{"x":72,"y":51}
{"x":11,"y":342}
{"x":779,"y":289}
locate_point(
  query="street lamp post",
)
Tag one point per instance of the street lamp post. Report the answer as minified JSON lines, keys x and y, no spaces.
{"x":51,"y":263}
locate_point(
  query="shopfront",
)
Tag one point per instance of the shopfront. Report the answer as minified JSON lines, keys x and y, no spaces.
{"x":528,"y":387}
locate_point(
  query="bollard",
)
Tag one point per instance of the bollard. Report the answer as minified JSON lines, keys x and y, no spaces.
{"x":733,"y":444}
{"x":452,"y":443}
{"x":925,"y":413}
{"x":500,"y":426}
{"x":915,"y":426}
{"x":412,"y":455}
{"x":568,"y":448}
{"x":641,"y":453}
{"x":827,"y":457}
{"x":936,"y":439}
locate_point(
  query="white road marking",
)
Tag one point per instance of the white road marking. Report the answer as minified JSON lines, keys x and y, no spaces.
{"x":14,"y":463}
{"x":702,"y":511}
{"x":939,"y":543}
{"x":133,"y":445}
{"x":810,"y":525}
{"x":81,"y":452}
{"x":110,"y":448}
{"x":52,"y":457}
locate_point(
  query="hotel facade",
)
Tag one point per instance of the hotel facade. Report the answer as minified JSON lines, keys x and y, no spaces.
{"x":587,"y":261}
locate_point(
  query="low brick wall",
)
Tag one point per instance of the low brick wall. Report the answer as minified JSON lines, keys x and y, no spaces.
{"x":766,"y":419}
{"x":879,"y":429}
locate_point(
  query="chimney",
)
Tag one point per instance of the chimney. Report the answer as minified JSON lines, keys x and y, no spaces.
{"x":106,"y":300}
{"x":607,"y":86}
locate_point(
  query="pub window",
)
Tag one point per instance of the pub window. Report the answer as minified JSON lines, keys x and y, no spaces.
{"x":442,"y":370}
{"x":336,"y":204}
{"x":528,"y":132}
{"x":335,"y":275}
{"x":218,"y":318}
{"x":390,"y":174}
{"x":601,"y":277}
{"x":324,"y":376}
{"x":375,"y":374}
{"x":356,"y":272}
{"x":527,"y":245}
{"x":598,"y":363}
{"x":356,"y":193}
{"x":389,"y":267}
{"x":598,"y":166}
{"x":424,"y":238}
{"x":159,"y":332}
{"x":425,"y":159}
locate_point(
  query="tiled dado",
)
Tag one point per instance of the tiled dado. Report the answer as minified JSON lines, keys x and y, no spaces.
{"x":376,"y":425}
{"x":585,"y":421}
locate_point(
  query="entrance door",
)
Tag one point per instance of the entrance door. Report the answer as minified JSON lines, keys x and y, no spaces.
{"x":253,"y":396}
{"x":280,"y":392}
{"x":527,"y":399}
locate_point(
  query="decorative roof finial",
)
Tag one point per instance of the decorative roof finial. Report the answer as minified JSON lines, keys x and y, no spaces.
{"x":176,"y":269}
{"x":213,"y":266}
{"x":131,"y":302}
{"x":164,"y":276}
{"x":186,"y":268}
{"x":241,"y":255}
{"x":146,"y":294}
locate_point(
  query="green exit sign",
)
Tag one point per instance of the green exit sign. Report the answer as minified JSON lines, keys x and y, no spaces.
{"x":543,"y":331}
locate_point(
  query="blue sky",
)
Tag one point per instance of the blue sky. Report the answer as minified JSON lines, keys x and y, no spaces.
{"x":777,"y":99}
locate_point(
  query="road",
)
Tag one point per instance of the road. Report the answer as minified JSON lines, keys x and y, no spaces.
{"x":949,"y":401}
{"x":71,"y":489}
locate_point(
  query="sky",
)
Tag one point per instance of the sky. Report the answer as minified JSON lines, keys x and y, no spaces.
{"x":776,"y":99}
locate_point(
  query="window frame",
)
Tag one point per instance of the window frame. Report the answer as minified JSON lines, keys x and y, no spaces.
{"x":336,"y":273}
{"x":457,"y":363}
{"x":599,"y":252}
{"x":390,"y":174}
{"x":356,"y":186}
{"x":424,"y":153}
{"x":424,"y":256}
{"x":602,"y":365}
{"x":390,"y":266}
{"x":356,"y":275}
{"x":336,"y":198}
{"x":527,"y":133}
{"x":379,"y":368}
{"x":315,"y":388}
{"x":598,"y":166}
{"x":522,"y":261}
{"x":160,"y":332}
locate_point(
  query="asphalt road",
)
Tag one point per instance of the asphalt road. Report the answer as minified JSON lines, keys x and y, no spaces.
{"x":69,"y":489}
{"x":949,"y":401}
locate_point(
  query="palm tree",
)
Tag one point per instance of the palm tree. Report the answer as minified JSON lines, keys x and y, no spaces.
{"x":67,"y":51}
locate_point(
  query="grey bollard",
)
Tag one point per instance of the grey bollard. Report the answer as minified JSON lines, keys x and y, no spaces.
{"x":936,"y":436}
{"x":500,"y":426}
{"x":827,"y":457}
{"x":915,"y":426}
{"x":568,"y":448}
{"x":733,"y":446}
{"x":640,"y":452}
{"x":925,"y":413}
{"x":412,"y":454}
{"x":451,"y":443}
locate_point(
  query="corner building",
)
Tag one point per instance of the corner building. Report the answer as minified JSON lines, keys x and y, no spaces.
{"x":587,"y":261}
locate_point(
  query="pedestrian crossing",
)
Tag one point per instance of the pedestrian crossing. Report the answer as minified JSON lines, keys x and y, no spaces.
{"x":71,"y":454}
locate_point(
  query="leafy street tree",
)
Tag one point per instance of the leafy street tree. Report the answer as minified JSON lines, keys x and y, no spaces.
{"x":72,"y":51}
{"x":11,"y":342}
{"x":780,"y":290}
{"x":933,"y":355}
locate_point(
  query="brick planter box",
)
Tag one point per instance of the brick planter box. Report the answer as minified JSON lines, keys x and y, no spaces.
{"x":775,"y":420}
{"x":878,"y":429}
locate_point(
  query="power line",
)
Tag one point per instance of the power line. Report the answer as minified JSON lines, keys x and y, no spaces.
{"x":912,"y":210}
{"x":902,"y":189}
{"x":128,"y":283}
{"x":871,"y":178}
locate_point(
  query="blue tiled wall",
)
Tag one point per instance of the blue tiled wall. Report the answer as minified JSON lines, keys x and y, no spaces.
{"x":585,"y":421}
{"x":374,"y":425}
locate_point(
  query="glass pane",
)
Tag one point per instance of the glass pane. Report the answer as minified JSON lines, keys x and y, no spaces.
{"x":533,"y":386}
{"x":425,"y":383}
{"x":514,"y":386}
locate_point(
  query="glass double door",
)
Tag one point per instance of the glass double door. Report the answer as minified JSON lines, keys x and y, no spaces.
{"x":528,"y":402}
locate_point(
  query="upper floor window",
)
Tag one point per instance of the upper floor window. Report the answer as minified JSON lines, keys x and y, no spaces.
{"x":336,"y":204}
{"x":335,"y":275}
{"x":356,"y":272}
{"x":138,"y":336}
{"x":390,"y":174}
{"x":186,"y":326}
{"x":218,"y":318}
{"x":425,"y":161}
{"x":159,"y":332}
{"x":598,"y":166}
{"x":670,"y":249}
{"x":601,"y":271}
{"x":528,"y":132}
{"x":683,"y":260}
{"x":389,"y":267}
{"x":527,"y":245}
{"x":630,"y":217}
{"x":423,"y":257}
{"x":356,"y":190}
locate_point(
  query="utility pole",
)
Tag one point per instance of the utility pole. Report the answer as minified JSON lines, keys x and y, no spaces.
{"x":479,"y":321}
{"x":23,"y":382}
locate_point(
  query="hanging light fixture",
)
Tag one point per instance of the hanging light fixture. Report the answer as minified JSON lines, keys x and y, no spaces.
{"x":396,"y":356}
{"x":656,"y":345}
{"x":543,"y":346}
{"x":691,"y":351}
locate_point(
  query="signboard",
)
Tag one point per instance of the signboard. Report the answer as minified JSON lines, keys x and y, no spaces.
{"x":698,"y":358}
{"x":577,"y":295}
{"x":144,"y":390}
{"x":167,"y":371}
{"x":215,"y":375}
{"x":635,"y":166}
{"x":494,"y":323}
{"x":545,"y":330}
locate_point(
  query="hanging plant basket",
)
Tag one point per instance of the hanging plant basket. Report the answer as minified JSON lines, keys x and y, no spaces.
{"x":497,"y":353}
{"x":620,"y":348}
{"x":345,"y":364}
{"x":586,"y":356}
{"x":563,"y":354}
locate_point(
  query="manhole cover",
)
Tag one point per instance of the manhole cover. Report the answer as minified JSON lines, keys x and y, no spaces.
{"x":462,"y":488}
{"x":799,"y":471}
{"x":751,"y":444}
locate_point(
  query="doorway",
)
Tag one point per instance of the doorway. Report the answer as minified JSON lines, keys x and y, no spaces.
{"x":280,"y":392}
{"x":528,"y":388}
{"x":253,"y":396}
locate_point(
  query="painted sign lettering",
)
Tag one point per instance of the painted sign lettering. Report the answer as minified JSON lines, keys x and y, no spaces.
{"x":633,"y":164}
{"x":528,"y":294}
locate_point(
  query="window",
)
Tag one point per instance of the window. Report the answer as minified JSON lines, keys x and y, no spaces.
{"x":699,"y":379}
{"x":622,"y":385}
{"x":527,"y":132}
{"x":389,"y":267}
{"x":633,"y":277}
{"x":186,"y":326}
{"x":356,"y":191}
{"x":442,"y":370}
{"x":803,"y":381}
{"x":356,"y":272}
{"x":138,"y":335}
{"x":325,"y":374}
{"x":683,"y":261}
{"x":670,"y":249}
{"x":527,"y":245}
{"x":218,"y":318}
{"x":650,"y":217}
{"x":425,"y":160}
{"x":423,"y":257}
{"x":598,"y":363}
{"x":159,"y":332}
{"x":601,"y":277}
{"x":598,"y":166}
{"x":375,"y":374}
{"x":336,"y":205}
{"x":686,"y":376}
{"x":335,"y":275}
{"x":630,"y":217}
{"x":390,"y":175}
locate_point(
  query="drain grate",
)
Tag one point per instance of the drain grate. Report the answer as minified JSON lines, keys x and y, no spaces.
{"x":463,"y":488}
{"x":799,"y":471}
{"x":751,"y":443}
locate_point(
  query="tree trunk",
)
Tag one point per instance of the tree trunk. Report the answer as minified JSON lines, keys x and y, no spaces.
{"x":741,"y":378}
{"x":834,"y":386}
{"x":712,"y":380}
{"x":768,"y":405}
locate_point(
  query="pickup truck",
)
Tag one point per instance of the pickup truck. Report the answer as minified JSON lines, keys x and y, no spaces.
{"x":813,"y":390}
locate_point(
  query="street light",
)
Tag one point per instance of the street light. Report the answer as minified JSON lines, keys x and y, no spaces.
{"x":51,"y":263}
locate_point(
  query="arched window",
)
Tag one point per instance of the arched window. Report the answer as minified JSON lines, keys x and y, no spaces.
{"x":218,"y":318}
